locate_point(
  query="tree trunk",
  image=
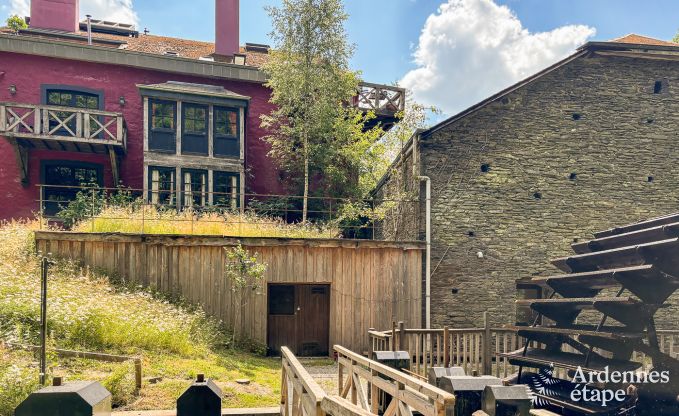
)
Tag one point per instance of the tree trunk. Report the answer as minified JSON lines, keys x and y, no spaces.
{"x":305,"y":203}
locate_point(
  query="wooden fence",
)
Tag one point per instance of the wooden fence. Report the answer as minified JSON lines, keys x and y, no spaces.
{"x":371,"y":283}
{"x":475,"y":349}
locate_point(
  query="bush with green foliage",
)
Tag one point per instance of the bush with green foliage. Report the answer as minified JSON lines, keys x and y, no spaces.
{"x":16,"y":23}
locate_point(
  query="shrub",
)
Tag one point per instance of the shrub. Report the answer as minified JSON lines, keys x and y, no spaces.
{"x":16,"y":23}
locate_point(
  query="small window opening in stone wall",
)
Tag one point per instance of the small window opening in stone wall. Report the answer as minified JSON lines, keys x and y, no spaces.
{"x":471,"y":234}
{"x":649,"y":120}
{"x":537,"y":195}
{"x":454,"y":291}
{"x":576,"y":116}
{"x":657,"y":87}
{"x":485,"y":167}
{"x":650,"y":179}
{"x":573,"y":176}
{"x":505,"y":100}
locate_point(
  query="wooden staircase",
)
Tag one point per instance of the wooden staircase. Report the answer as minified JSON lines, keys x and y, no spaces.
{"x":621,"y":278}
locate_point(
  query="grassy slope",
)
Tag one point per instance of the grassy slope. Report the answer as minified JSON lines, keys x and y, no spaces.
{"x":87,"y":312}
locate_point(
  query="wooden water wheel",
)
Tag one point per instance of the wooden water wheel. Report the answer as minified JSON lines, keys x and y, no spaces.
{"x":622,"y":278}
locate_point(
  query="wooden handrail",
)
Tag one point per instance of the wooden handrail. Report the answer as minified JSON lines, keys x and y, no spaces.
{"x":64,"y":109}
{"x":407,"y":392}
{"x":65,"y":124}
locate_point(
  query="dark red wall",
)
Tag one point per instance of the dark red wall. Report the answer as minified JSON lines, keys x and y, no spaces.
{"x":29,"y":72}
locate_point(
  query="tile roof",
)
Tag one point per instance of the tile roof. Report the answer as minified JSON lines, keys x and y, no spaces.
{"x":157,"y":45}
{"x":643,"y":40}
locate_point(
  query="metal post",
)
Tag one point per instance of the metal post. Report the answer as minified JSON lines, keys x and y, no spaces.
{"x":92,"y":212}
{"x":42,"y":211}
{"x":43,"y":320}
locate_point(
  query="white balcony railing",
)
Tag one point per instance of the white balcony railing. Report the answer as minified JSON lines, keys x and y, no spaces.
{"x":64,"y":124}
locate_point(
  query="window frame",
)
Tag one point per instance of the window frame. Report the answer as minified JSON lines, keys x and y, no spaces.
{"x":172,"y":192}
{"x":226,"y":138}
{"x":161,"y":139}
{"x":73,"y":164}
{"x":235,"y":199}
{"x":205,"y":193}
{"x":173,"y":104}
{"x":195,"y":142}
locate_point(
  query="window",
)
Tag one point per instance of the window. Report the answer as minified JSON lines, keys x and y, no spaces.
{"x":226,"y":190}
{"x":66,"y":178}
{"x":161,"y":186}
{"x":194,"y":188}
{"x":162,"y":127}
{"x":195,"y":119}
{"x":70,"y":98}
{"x":162,"y":115}
{"x":194,"y":131}
{"x":281,"y":300}
{"x":226,"y":132}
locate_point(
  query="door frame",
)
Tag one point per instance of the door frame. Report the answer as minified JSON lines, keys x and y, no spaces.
{"x":297,"y":284}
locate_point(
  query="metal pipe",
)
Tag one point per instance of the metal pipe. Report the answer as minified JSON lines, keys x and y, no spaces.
{"x":427,"y":272}
{"x":43,"y":320}
{"x":89,"y":29}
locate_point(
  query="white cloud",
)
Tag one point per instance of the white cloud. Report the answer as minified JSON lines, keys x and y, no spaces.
{"x":471,"y":49}
{"x":20,"y":7}
{"x":121,"y":11}
{"x":115,"y":10}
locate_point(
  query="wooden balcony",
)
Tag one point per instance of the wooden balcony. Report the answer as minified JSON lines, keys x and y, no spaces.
{"x":63,"y":128}
{"x":384,"y":100}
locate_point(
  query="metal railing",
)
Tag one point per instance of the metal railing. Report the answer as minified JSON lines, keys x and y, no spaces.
{"x":44,"y":122}
{"x":193,"y":211}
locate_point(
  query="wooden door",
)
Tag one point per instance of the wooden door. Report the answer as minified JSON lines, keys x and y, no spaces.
{"x":313,"y":313}
{"x":299,"y":318}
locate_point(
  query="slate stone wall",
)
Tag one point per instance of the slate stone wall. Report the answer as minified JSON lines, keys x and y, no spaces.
{"x":591,"y":145}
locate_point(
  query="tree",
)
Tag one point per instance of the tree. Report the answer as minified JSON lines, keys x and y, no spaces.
{"x":315,"y":135}
{"x":245,"y":273}
{"x":675,"y":39}
{"x":16,"y":23}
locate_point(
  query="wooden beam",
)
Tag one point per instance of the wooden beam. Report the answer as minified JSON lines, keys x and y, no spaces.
{"x":114,"y":165}
{"x":21,"y":154}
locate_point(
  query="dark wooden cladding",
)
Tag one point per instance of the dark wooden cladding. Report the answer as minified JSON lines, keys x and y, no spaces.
{"x":372,"y":283}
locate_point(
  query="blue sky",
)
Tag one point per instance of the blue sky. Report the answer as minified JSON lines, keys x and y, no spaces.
{"x":387,"y":33}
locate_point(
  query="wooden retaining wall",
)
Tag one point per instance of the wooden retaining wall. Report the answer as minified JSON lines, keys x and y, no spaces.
{"x":372,"y":283}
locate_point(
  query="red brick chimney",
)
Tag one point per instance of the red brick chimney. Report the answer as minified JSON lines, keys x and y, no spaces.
{"x":55,"y":14}
{"x":227,"y":29}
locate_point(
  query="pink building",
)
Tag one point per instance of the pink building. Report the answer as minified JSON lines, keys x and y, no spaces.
{"x":177,"y":118}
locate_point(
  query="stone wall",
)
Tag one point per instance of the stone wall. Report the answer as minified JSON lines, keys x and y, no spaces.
{"x":585,"y":147}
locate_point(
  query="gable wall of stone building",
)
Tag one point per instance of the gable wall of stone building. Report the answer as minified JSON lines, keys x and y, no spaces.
{"x":583,"y":148}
